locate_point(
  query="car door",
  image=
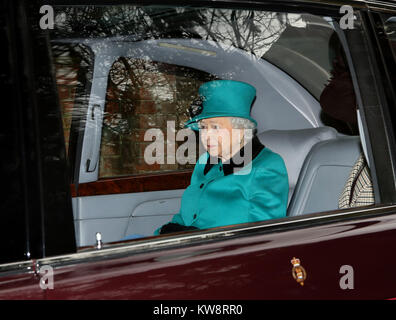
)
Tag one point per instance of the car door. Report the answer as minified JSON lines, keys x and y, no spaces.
{"x":334,"y":253}
{"x":340,"y":261}
{"x":323,"y":254}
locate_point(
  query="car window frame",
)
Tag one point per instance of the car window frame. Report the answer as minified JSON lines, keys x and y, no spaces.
{"x":377,"y":124}
{"x":314,"y":218}
{"x":166,"y":241}
{"x":387,"y":62}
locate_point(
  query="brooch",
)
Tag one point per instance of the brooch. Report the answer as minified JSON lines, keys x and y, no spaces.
{"x":196,"y":107}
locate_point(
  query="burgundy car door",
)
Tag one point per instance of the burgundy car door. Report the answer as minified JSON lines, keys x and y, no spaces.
{"x":350,"y":259}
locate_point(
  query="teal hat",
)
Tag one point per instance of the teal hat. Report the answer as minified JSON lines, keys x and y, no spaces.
{"x":222,"y":98}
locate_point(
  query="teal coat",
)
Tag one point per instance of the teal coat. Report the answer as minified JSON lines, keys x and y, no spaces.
{"x":217,"y":196}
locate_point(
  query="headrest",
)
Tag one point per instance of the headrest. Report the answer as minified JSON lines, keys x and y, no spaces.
{"x":294,"y":145}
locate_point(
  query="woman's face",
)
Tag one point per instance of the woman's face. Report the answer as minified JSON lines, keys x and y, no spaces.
{"x":218,"y":137}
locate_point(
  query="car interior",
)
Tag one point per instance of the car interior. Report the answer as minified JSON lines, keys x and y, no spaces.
{"x":289,"y":76}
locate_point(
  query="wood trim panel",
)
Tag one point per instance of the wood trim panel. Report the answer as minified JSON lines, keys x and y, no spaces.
{"x":133,"y":184}
{"x":73,"y":190}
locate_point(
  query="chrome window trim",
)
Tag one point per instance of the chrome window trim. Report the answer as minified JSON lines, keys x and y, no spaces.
{"x":21,"y":267}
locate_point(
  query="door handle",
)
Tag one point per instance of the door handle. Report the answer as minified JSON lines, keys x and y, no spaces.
{"x":96,"y":121}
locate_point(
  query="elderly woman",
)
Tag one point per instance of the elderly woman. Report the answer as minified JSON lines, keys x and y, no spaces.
{"x":225,"y":190}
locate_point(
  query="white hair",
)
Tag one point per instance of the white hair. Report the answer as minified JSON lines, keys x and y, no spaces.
{"x":242,"y":123}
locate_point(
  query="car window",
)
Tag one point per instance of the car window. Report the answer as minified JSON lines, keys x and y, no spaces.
{"x":142,"y":95}
{"x":305,"y":50}
{"x":290,"y":41}
{"x":147,"y":64}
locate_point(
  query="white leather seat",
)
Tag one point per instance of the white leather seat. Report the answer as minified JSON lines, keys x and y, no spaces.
{"x":324,"y":174}
{"x":293,"y":146}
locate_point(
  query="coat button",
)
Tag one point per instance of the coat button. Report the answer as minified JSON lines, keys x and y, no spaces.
{"x":221,"y":168}
{"x":201,"y":185}
{"x":195,"y":216}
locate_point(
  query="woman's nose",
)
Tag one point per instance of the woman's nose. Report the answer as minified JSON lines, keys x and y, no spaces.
{"x":211,"y":131}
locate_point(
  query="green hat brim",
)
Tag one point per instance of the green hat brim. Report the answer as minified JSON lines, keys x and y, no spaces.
{"x":193,"y":123}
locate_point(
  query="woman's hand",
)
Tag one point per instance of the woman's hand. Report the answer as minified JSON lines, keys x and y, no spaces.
{"x":175,"y":227}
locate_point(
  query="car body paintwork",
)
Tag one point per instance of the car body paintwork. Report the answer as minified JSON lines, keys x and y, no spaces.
{"x":248,"y":267}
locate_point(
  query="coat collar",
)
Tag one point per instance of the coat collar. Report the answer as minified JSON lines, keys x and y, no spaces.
{"x":228,"y":167}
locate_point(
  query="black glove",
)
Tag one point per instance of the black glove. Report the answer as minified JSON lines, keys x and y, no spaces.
{"x":175,"y":227}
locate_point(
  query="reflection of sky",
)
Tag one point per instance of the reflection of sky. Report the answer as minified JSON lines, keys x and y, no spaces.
{"x":253,"y":31}
{"x":256,"y":38}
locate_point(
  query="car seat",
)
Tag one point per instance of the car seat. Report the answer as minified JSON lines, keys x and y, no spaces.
{"x":323,"y":175}
{"x":293,"y":146}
